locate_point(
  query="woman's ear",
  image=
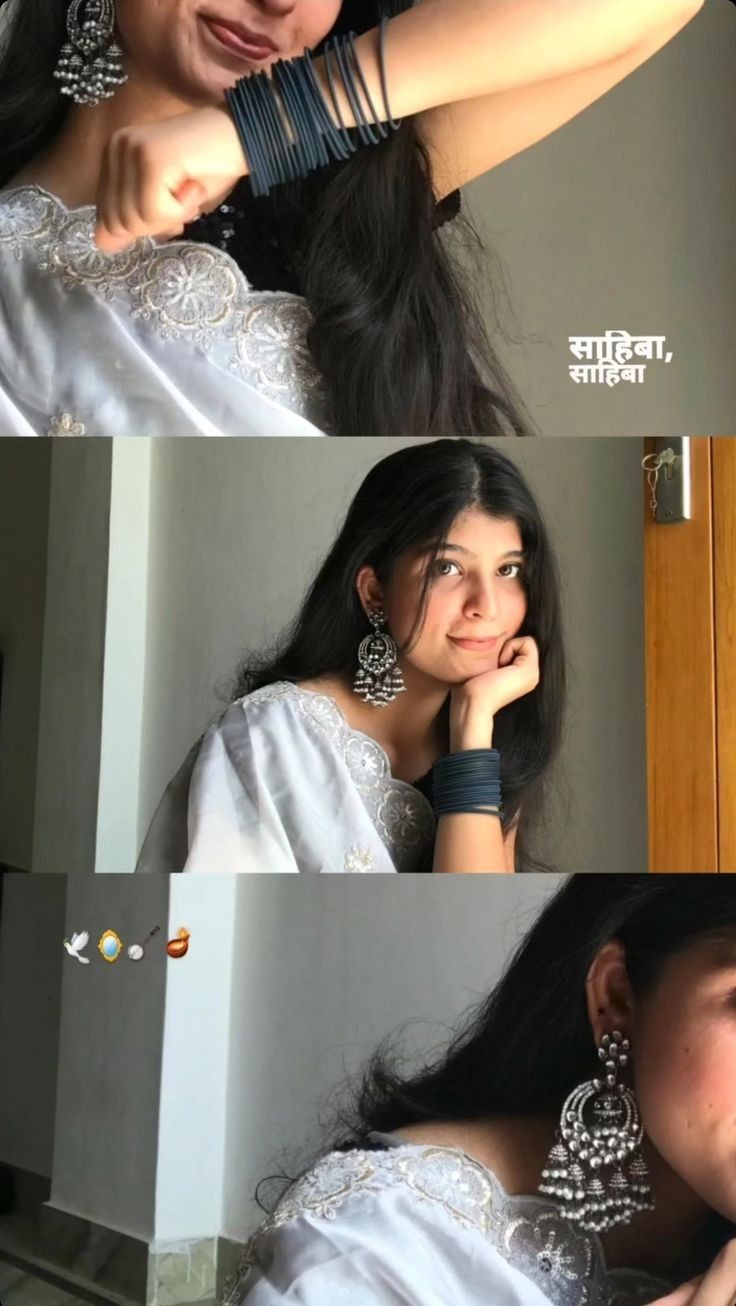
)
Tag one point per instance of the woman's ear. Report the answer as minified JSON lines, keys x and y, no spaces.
{"x":608,"y":992}
{"x":368,"y":590}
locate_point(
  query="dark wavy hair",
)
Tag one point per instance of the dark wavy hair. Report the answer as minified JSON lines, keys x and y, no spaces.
{"x":529,"y":1043}
{"x":398,"y":334}
{"x":408,"y":499}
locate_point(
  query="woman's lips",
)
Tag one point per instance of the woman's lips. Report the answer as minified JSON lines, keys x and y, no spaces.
{"x":477,"y":645}
{"x":239,"y":41}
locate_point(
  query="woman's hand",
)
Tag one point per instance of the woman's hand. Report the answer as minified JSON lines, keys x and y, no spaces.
{"x":157,"y":177}
{"x":474,"y":703}
{"x":716,"y":1288}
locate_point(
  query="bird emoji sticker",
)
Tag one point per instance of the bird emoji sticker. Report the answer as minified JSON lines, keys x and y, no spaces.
{"x":179,"y":946}
{"x":78,"y":944}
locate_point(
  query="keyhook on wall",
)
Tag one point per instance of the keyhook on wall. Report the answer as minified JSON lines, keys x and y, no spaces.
{"x":668,"y":472}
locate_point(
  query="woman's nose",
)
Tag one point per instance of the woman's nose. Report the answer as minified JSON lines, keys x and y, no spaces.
{"x":277,"y":7}
{"x":483,"y":602}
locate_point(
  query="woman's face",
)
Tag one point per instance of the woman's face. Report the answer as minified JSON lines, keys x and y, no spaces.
{"x":476,"y":600}
{"x":196,"y":49}
{"x":683,"y":1040}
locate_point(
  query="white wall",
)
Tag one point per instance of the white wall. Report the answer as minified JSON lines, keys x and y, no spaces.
{"x":624,"y":219}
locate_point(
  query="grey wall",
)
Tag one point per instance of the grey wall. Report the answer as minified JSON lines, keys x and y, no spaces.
{"x":237,"y":529}
{"x":111,"y":1034}
{"x":25,"y":477}
{"x":65,"y":817}
{"x":324,"y":973}
{"x":624,"y":219}
{"x":31,"y":953}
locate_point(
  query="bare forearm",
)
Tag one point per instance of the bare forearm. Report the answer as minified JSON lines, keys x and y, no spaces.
{"x":469,"y":843}
{"x":444,"y":51}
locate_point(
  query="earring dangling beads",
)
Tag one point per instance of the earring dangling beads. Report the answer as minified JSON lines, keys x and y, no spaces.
{"x":595,"y":1167}
{"x":90,"y":65}
{"x":378,"y":679}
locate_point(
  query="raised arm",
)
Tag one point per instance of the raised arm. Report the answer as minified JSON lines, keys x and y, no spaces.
{"x":439,"y":53}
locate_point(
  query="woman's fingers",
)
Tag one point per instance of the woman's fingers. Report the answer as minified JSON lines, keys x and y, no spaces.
{"x":716,"y":1288}
{"x":157,"y":177}
{"x":682,"y":1296}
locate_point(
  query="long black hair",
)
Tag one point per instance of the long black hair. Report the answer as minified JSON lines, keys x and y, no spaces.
{"x":397,"y":333}
{"x":408,"y":499}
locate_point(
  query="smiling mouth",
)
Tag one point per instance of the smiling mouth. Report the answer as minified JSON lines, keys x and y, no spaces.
{"x":477,"y":645}
{"x":238,"y":40}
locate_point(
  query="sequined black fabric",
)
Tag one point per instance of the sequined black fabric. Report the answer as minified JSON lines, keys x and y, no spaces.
{"x":263,"y":240}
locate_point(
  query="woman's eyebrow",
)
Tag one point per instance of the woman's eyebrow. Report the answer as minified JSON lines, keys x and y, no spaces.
{"x":445,"y":546}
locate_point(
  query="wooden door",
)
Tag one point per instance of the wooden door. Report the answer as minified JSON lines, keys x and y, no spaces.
{"x":691,"y":671}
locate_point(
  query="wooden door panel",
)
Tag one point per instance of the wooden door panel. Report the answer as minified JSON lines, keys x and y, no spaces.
{"x":681,"y":682}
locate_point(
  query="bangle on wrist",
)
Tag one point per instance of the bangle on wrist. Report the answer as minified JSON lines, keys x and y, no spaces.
{"x":284,"y":123}
{"x":468,"y":781}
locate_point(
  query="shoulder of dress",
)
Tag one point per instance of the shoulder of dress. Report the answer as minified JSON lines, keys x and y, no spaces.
{"x":439,"y":1177}
{"x":314,"y":710}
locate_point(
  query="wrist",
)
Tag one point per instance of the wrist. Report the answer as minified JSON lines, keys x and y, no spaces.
{"x":469,"y":729}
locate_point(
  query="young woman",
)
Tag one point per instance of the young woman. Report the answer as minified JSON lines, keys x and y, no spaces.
{"x":332,"y":307}
{"x":438,"y":760}
{"x":441,"y":1190}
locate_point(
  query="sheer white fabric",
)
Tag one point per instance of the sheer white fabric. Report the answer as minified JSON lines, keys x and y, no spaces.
{"x":159,"y":340}
{"x":282,"y":784}
{"x":424,"y":1226}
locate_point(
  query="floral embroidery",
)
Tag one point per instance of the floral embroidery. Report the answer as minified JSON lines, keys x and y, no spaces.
{"x":529,"y":1232}
{"x":184,"y":289}
{"x":189,"y":291}
{"x":358,"y":861}
{"x":66,"y":425}
{"x":401,"y":814}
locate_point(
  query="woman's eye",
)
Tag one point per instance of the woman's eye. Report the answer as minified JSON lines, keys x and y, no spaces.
{"x":510,"y":570}
{"x":444,"y":567}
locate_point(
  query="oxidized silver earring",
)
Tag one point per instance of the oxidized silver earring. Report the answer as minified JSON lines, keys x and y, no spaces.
{"x":90,"y":65}
{"x":378,"y":679}
{"x":596,"y":1167}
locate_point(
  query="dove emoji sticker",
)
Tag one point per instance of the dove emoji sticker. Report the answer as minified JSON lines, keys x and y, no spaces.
{"x":78,"y":944}
{"x":179,"y":946}
{"x":136,"y":950}
{"x":110,"y":946}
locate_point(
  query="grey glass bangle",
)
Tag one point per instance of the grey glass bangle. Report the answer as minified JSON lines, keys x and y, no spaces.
{"x":468,"y":781}
{"x":284,"y":121}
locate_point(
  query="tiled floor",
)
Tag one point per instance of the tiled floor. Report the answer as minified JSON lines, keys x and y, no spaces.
{"x":20,"y":1289}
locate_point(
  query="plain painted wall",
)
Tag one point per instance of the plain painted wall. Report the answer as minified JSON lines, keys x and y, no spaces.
{"x":31,"y":953}
{"x":25,"y":478}
{"x":67,"y":777}
{"x":238,"y":528}
{"x":623,"y":219}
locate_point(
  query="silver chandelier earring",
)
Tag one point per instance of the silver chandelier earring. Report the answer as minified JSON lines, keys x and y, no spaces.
{"x":596,"y":1167}
{"x":90,"y":66}
{"x":378,"y":679}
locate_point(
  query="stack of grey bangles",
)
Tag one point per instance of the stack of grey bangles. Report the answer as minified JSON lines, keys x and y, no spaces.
{"x":284,"y":123}
{"x":468,"y":781}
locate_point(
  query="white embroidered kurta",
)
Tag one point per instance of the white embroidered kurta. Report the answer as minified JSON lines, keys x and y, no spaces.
{"x":158,"y":340}
{"x":424,"y":1226}
{"x":282,"y":783}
